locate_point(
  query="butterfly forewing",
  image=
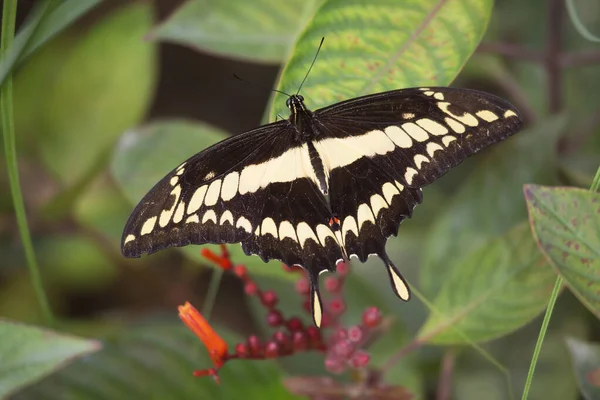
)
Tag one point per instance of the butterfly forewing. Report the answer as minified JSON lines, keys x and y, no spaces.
{"x":210,"y":198}
{"x":322,"y":186}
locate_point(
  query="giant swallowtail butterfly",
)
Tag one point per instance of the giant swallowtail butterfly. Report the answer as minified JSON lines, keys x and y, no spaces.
{"x":321,"y":186}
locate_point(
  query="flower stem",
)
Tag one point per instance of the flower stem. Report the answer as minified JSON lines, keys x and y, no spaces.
{"x":9,"y":13}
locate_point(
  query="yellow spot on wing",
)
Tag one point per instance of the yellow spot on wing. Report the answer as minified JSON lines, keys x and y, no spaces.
{"x":419,"y":160}
{"x":196,"y":200}
{"x":398,"y":136}
{"x":415,"y":131}
{"x":227,"y":216}
{"x":432,"y":126}
{"x":286,"y":229}
{"x":409,"y":175}
{"x":486,"y":115}
{"x":148,"y":226}
{"x":209,"y":215}
{"x":455,"y":125}
{"x":243,"y":223}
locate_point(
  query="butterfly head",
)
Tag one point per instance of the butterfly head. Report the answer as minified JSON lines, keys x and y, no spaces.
{"x":295,"y":103}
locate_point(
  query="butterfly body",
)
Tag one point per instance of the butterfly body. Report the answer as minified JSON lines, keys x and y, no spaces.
{"x":321,"y":186}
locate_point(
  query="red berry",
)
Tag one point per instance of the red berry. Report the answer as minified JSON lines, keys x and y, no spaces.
{"x":269,"y":298}
{"x":251,"y":288}
{"x":333,"y":284}
{"x":299,"y":341}
{"x":284,"y":339}
{"x":271,"y":350}
{"x":302,"y":286}
{"x":240,"y":271}
{"x":241,"y":349}
{"x":274,"y":318}
{"x":254,"y":345}
{"x":355,"y":334}
{"x":343,"y":349}
{"x":337,"y":307}
{"x":294,"y":324}
{"x":342,"y":268}
{"x":371,"y":318}
{"x":335,"y":365}
{"x":360,"y":359}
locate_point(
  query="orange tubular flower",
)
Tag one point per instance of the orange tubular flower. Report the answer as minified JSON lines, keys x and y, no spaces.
{"x":216,"y":346}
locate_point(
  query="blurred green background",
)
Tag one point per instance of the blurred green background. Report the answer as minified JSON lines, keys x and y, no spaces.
{"x":111,"y":104}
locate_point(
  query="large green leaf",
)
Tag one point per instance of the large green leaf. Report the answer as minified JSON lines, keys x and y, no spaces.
{"x":497,"y":289}
{"x":586,"y":363}
{"x":566,"y":224}
{"x":258,"y":31}
{"x":103,"y":87}
{"x":156,"y":362}
{"x":145,"y":155}
{"x":376,"y":46}
{"x":489,"y":202}
{"x":28,"y":353}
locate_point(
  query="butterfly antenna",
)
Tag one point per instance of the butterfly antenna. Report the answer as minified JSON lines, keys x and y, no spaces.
{"x":251,"y":83}
{"x":311,"y":65}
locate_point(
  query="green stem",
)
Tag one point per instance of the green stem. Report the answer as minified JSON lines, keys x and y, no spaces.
{"x":540,"y":340}
{"x":9,"y":13}
{"x":557,"y":285}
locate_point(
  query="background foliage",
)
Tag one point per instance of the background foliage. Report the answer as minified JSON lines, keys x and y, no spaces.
{"x":109,"y":96}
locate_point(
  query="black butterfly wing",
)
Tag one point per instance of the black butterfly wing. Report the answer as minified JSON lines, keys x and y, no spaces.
{"x":380,"y":150}
{"x":210,"y":198}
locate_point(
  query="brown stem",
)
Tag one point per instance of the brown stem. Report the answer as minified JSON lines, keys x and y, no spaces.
{"x":579,"y":58}
{"x":513,"y":51}
{"x":445,"y":383}
{"x":553,"y":53}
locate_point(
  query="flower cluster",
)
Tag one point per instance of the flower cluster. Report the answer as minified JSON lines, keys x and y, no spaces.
{"x":343,"y":347}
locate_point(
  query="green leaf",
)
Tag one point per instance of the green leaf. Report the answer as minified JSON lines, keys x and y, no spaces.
{"x":28,"y":353}
{"x":145,"y":155}
{"x":377,"y":46}
{"x":566,"y":225}
{"x":257,"y":31}
{"x":22,"y":39}
{"x":61,"y":17}
{"x":41,"y":27}
{"x":156,"y":361}
{"x":489,"y":201}
{"x":500,"y":287}
{"x":103,"y":88}
{"x":586,"y":363}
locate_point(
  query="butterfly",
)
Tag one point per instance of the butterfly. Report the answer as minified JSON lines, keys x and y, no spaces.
{"x":321,"y":186}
